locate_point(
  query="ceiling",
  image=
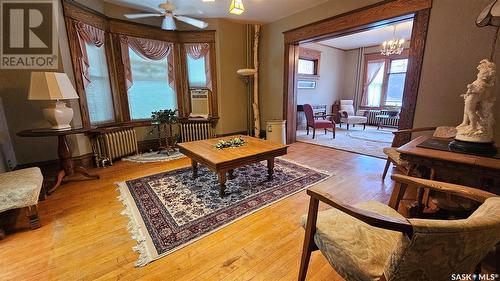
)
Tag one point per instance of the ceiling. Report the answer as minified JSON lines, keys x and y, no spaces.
{"x":263,"y":11}
{"x":371,"y":37}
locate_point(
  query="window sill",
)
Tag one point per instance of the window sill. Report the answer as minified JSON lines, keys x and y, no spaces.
{"x":308,"y":76}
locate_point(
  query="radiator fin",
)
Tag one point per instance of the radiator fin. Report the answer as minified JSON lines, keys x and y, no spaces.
{"x":196,"y":131}
{"x":393,"y":122}
{"x":115,"y":145}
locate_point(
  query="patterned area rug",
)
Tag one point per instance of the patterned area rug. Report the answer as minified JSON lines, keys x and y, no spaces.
{"x":170,"y":210}
{"x":149,"y":157}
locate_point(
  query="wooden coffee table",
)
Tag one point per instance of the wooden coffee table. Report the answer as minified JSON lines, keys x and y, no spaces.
{"x":224,"y":161}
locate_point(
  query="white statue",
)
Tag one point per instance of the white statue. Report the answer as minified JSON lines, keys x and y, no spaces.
{"x":477,"y":125}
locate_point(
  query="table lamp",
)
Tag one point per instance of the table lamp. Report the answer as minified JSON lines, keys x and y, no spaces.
{"x":55,"y":87}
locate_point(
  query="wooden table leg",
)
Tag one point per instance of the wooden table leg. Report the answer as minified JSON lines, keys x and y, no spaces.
{"x":270,"y":168}
{"x":222,"y":182}
{"x":59,"y":177}
{"x":84,"y":172}
{"x":399,"y":190}
{"x":231,"y":175}
{"x":67,"y":166}
{"x":194,"y":164}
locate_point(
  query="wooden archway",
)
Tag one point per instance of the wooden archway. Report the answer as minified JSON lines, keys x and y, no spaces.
{"x":362,"y":19}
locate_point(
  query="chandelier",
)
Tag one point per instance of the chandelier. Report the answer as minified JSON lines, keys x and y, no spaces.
{"x":394,"y":46}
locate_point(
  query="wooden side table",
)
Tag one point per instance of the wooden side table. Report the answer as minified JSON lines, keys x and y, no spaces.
{"x":63,"y":151}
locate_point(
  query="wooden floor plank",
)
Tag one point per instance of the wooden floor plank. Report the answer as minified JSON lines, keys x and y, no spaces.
{"x":84,"y":237}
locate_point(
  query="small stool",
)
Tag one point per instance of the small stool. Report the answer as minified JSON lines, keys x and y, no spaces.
{"x":20,"y":189}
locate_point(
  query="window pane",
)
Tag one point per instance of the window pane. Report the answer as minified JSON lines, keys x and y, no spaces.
{"x":399,"y":66}
{"x":306,"y":67}
{"x":374,"y":91}
{"x":196,"y":72}
{"x":395,"y":88}
{"x":150,"y":90}
{"x":98,"y":92}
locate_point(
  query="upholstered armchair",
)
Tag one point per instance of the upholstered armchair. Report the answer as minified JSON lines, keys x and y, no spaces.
{"x":316,"y":121}
{"x":20,"y":189}
{"x":348,"y":116}
{"x":371,"y":241}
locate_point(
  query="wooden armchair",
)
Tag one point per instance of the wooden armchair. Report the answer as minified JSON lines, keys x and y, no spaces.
{"x":393,"y":155}
{"x":314,"y":123}
{"x":371,"y":241}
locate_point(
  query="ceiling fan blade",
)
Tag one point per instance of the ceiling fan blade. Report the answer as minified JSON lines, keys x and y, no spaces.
{"x":168,"y":23}
{"x":194,"y":22}
{"x":140,"y":16}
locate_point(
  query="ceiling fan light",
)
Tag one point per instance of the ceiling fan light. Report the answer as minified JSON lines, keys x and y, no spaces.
{"x":236,"y":7}
{"x":168,"y":23}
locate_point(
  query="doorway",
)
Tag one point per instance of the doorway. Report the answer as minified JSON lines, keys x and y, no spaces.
{"x":357,"y":81}
{"x":375,"y":16}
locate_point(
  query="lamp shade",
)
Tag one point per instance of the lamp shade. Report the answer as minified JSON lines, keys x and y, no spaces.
{"x":236,"y":7}
{"x":490,"y":15}
{"x":51,"y":86}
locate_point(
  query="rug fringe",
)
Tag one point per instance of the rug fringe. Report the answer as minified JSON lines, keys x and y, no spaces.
{"x":135,"y":230}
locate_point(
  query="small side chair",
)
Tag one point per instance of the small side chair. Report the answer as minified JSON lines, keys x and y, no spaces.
{"x":315,"y":123}
{"x":21,"y":189}
{"x":371,"y":241}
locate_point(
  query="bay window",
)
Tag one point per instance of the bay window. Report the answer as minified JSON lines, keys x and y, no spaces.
{"x":149,"y":76}
{"x":94,"y":73}
{"x":98,"y":90}
{"x":124,"y":71}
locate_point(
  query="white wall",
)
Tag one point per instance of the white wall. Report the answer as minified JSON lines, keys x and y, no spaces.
{"x":329,"y":86}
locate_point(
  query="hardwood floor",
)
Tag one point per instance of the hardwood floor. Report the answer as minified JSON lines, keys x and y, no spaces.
{"x":84,"y":237}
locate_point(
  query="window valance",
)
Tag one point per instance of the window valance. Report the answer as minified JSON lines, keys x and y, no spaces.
{"x":147,"y":49}
{"x":197,"y":51}
{"x":92,"y":36}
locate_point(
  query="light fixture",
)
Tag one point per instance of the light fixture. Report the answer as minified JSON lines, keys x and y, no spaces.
{"x":55,"y":87}
{"x":208,"y":0}
{"x":236,"y":7}
{"x":394,"y":46}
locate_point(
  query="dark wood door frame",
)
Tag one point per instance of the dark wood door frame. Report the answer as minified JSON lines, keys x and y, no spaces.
{"x":365,"y":18}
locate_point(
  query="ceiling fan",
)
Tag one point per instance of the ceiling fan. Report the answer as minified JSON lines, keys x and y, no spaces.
{"x":167,"y":10}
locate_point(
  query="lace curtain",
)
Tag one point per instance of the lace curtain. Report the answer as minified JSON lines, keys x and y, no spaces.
{"x":92,"y":36}
{"x":373,"y":69}
{"x":147,"y":49}
{"x":197,"y":51}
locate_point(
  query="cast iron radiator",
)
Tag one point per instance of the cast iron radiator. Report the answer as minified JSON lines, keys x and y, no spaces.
{"x":393,"y":122}
{"x":194,"y":131}
{"x":115,"y":144}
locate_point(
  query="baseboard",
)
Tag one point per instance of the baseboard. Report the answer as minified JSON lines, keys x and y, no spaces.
{"x":51,"y":167}
{"x":232,"y":134}
{"x":148,"y":145}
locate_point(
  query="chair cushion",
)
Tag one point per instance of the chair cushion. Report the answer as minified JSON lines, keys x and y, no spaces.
{"x":354,"y":119}
{"x":20,"y":188}
{"x":356,"y":250}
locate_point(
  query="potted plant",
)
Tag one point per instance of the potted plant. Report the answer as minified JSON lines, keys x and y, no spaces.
{"x":164,"y":119}
{"x":392,"y":110}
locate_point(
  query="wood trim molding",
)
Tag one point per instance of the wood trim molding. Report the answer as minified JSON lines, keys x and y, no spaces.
{"x":50,"y":167}
{"x":376,"y":15}
{"x":206,"y":36}
{"x":359,"y":19}
{"x":415,"y":60}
